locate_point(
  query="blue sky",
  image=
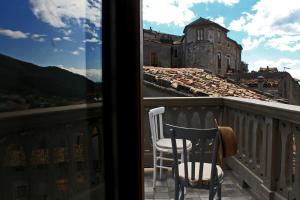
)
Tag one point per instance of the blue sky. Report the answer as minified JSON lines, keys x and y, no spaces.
{"x":268,"y":30}
{"x":68,"y":33}
{"x":53,"y":33}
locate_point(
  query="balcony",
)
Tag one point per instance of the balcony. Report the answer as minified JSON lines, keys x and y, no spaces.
{"x":52,"y":153}
{"x":63,"y":142}
{"x":268,"y":161}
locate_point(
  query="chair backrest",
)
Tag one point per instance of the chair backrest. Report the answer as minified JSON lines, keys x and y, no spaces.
{"x":203,"y":141}
{"x":156,"y":124}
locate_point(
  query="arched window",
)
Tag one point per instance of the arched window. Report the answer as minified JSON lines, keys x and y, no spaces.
{"x":200,"y":34}
{"x":228,"y":62}
{"x":219,"y":59}
{"x":219,"y":36}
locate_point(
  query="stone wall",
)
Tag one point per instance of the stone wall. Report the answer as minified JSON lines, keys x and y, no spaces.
{"x":177,"y":55}
{"x":162,"y":51}
{"x":289,"y":88}
{"x":199,"y":54}
{"x":203,"y":52}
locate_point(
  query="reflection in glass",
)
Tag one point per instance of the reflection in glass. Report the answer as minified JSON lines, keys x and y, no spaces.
{"x":50,"y":100}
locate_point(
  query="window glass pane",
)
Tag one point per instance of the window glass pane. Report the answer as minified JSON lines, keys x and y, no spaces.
{"x":50,"y":100}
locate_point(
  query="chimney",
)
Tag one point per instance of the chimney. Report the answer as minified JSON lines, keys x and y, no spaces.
{"x":260,"y":83}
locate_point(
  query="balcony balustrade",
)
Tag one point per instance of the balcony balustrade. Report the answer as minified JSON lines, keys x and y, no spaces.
{"x":268,"y":134}
{"x":52,"y":153}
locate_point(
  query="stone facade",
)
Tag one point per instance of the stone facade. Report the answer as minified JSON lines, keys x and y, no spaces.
{"x":162,"y":49}
{"x":289,"y":88}
{"x":204,"y":45}
{"x":281,"y":85}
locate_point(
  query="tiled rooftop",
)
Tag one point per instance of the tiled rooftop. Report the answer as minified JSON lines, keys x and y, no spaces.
{"x":231,"y":190}
{"x":197,"y":81}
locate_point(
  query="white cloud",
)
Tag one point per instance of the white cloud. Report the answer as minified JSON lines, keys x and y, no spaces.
{"x":177,"y":12}
{"x":92,"y":74}
{"x":251,"y":43}
{"x":38,"y":37}
{"x":67,"y":38}
{"x":292,"y":64}
{"x":75,"y":53}
{"x":13,"y":34}
{"x":92,"y":40}
{"x":57,"y":39}
{"x":67,"y":32}
{"x":92,"y":31}
{"x":219,"y":20}
{"x":285,"y":43}
{"x":60,"y":13}
{"x":237,"y":25}
{"x":270,"y":18}
{"x":276,"y":21}
{"x":81,"y":48}
{"x":21,"y":35}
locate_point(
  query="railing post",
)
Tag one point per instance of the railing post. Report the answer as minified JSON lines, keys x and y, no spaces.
{"x":253,"y":138}
{"x":272,"y":153}
{"x":284,"y":182}
{"x":297,"y":166}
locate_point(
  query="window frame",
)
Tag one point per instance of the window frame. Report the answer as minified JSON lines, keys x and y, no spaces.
{"x":122,"y":61}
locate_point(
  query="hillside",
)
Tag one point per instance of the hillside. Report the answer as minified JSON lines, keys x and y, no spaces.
{"x":25,"y":82}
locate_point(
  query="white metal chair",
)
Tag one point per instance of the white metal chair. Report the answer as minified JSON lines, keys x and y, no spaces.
{"x":160,"y":143}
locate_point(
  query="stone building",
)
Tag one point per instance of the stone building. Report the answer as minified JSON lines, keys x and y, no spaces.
{"x":205,"y":45}
{"x":269,"y":80}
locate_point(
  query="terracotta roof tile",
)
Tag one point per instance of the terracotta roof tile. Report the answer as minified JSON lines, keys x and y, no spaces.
{"x":198,"y":81}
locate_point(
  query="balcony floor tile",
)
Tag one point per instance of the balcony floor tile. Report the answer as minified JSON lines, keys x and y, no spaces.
{"x":231,"y":190}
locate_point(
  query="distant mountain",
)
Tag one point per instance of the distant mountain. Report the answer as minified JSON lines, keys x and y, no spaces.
{"x":23,"y":78}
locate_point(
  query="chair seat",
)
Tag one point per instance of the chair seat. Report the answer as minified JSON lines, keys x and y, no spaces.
{"x":166,"y":143}
{"x":206,"y":172}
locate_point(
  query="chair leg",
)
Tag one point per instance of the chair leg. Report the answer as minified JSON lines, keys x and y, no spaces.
{"x":211,"y":193}
{"x":154,"y":169}
{"x":173,"y":171}
{"x":219,"y":192}
{"x":182,"y":189}
{"x":160,"y":163}
{"x":177,"y":186}
{"x":182,"y":161}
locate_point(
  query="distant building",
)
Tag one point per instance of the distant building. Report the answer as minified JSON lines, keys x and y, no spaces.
{"x":204,"y":45}
{"x":268,"y":69}
{"x":269,"y":80}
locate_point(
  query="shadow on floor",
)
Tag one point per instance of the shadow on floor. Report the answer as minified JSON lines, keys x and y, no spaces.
{"x":231,"y":190}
